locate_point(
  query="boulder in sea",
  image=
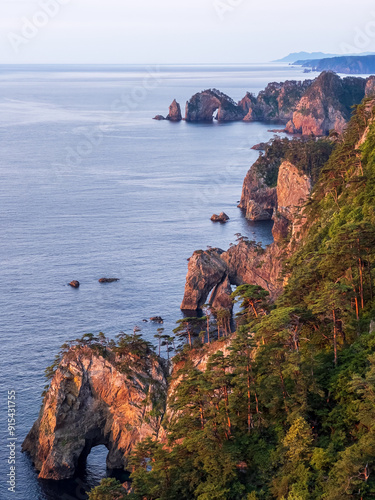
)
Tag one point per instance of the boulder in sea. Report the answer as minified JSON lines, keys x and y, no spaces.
{"x":222,"y":217}
{"x":74,"y":284}
{"x":159,"y":117}
{"x":174,"y":114}
{"x":157,"y":319}
{"x":108,"y":280}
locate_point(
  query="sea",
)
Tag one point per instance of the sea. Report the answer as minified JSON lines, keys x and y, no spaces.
{"x":90,"y":187}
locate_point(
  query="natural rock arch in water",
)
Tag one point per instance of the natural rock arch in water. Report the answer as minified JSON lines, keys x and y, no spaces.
{"x":92,"y":402}
{"x":203,"y":105}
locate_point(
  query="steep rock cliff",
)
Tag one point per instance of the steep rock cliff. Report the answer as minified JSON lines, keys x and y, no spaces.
{"x":258,"y":200}
{"x":95,"y":400}
{"x":327,"y":104}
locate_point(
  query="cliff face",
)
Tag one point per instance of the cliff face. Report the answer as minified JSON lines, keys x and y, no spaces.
{"x":257,"y":199}
{"x":293,"y":190}
{"x":90,"y":402}
{"x":326,"y":105}
{"x":202,"y":106}
{"x":246,"y":262}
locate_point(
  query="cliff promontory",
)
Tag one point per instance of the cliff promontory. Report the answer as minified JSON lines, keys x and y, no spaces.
{"x":97,"y":396}
{"x":326,"y":105}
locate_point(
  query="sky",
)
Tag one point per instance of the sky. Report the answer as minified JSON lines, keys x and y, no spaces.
{"x":180,"y":31}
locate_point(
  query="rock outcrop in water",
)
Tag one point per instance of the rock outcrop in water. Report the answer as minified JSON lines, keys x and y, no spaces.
{"x":222,"y":217}
{"x":95,"y":400}
{"x":202,"y":106}
{"x":174,"y":114}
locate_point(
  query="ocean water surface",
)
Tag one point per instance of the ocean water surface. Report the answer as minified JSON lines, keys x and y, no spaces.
{"x":91,"y":187}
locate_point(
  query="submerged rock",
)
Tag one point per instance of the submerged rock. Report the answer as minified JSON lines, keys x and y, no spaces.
{"x":159,"y":117}
{"x":95,"y":400}
{"x":222,"y":217}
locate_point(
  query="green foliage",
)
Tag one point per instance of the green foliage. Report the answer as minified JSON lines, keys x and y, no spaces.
{"x":108,"y":489}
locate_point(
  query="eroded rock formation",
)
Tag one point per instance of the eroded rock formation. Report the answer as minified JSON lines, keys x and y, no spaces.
{"x":202,"y":106}
{"x":95,"y":400}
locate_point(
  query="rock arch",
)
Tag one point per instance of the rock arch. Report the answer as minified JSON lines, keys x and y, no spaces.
{"x":92,"y":402}
{"x":202,"y":106}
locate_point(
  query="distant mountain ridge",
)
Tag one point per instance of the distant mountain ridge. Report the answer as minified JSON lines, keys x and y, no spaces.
{"x":350,"y":65}
{"x":316,"y":56}
{"x":295,"y":56}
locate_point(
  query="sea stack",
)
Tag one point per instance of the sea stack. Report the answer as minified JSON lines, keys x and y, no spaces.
{"x":174,"y":114}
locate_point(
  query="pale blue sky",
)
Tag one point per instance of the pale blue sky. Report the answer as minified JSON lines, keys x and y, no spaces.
{"x":180,"y":31}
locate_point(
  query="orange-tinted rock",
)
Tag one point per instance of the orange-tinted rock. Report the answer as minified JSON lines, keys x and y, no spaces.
{"x":327,"y":104}
{"x":91,"y":402}
{"x":74,"y":284}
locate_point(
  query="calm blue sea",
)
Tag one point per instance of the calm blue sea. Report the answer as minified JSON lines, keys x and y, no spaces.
{"x":91,"y":187}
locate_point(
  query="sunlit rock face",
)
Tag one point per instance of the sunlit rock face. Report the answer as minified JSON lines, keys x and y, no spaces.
{"x":91,"y":402}
{"x":327,"y":105}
